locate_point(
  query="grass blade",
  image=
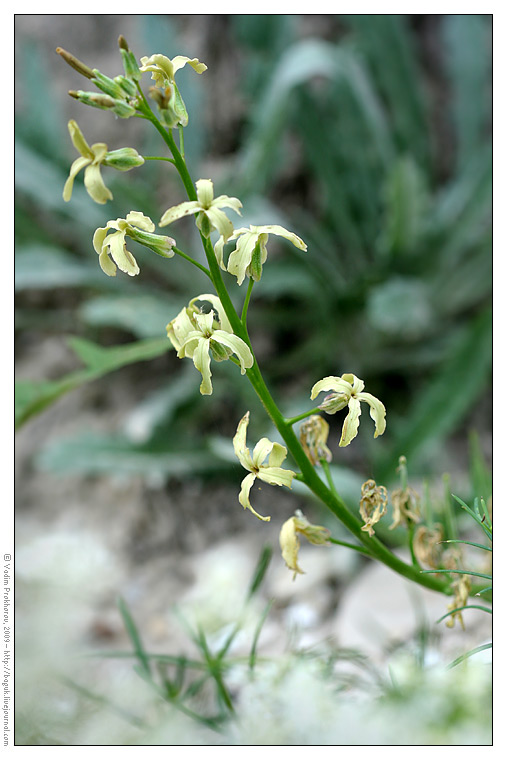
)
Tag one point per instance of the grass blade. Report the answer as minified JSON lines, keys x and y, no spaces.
{"x":135,"y":638}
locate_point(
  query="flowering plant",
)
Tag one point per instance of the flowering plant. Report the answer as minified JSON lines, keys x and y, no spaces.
{"x":219,"y":331}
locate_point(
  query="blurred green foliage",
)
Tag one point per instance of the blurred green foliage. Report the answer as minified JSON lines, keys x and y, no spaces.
{"x":373,"y":144}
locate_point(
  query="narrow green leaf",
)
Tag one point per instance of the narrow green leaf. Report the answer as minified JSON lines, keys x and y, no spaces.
{"x":475,"y":516}
{"x":465,"y":656}
{"x":260,"y":570}
{"x":469,"y":543}
{"x":459,"y":572}
{"x":33,"y":397}
{"x":253,"y":649}
{"x":135,"y":637}
{"x":465,"y":607}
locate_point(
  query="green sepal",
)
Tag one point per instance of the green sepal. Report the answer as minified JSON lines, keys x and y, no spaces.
{"x":107,"y":85}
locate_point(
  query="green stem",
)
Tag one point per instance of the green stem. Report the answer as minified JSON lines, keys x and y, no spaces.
{"x":356,"y":548}
{"x":292,"y":420}
{"x":410,"y":526}
{"x":327,"y":472}
{"x":159,"y":158}
{"x":182,"y":141}
{"x":192,"y":261}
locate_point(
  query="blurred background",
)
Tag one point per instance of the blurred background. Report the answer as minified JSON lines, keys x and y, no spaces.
{"x":367,"y":135}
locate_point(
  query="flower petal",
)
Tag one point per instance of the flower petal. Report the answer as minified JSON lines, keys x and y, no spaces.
{"x":106,"y":264}
{"x":138,"y":219}
{"x":240,"y":258}
{"x":95,"y":184}
{"x":215,"y":301}
{"x":289,"y":544}
{"x":277,"y":455}
{"x":202,"y":362}
{"x":276,"y":476}
{"x":219,"y":252}
{"x":179,"y":328}
{"x":220,"y":221}
{"x":75,"y":168}
{"x":351,"y":423}
{"x":239,"y":442}
{"x":179,"y":211}
{"x":356,"y":383}
{"x":244,"y":500}
{"x":331,"y":383}
{"x":122,"y":258}
{"x":224,"y":201}
{"x":79,"y":141}
{"x":377,"y":411}
{"x":261,"y":450}
{"x":99,"y":237}
{"x":276,"y":229}
{"x":180,"y":60}
{"x":204,"y":192}
{"x":237,"y":345}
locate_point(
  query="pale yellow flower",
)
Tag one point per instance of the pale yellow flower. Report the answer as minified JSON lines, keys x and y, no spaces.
{"x":271,"y":473}
{"x":347,"y":390}
{"x":163,"y":70}
{"x":92,"y":158}
{"x":289,"y":539}
{"x":207,"y":208}
{"x":250,"y":253}
{"x":196,"y":335}
{"x":112,"y":249}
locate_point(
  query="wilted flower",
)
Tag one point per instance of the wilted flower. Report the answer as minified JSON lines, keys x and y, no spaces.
{"x":373,"y":505}
{"x":271,"y":472}
{"x":427,"y":545}
{"x":313,"y":435}
{"x":91,"y":160}
{"x":347,"y":390}
{"x":289,"y":539}
{"x":140,"y":228}
{"x":405,"y":507}
{"x":163,"y":70}
{"x":461,"y":588}
{"x":208,"y":210}
{"x":251,"y":252}
{"x":194,"y":335}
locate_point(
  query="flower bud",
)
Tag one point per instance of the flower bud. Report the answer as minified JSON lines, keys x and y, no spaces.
{"x":123,"y":109}
{"x":94,"y":99}
{"x":255,"y":268}
{"x":160,"y":244}
{"x":127,"y":85}
{"x":203,"y":224}
{"x":76,"y":64}
{"x":129,"y":60}
{"x":219,"y":352}
{"x":123,"y":159}
{"x":107,"y":85}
